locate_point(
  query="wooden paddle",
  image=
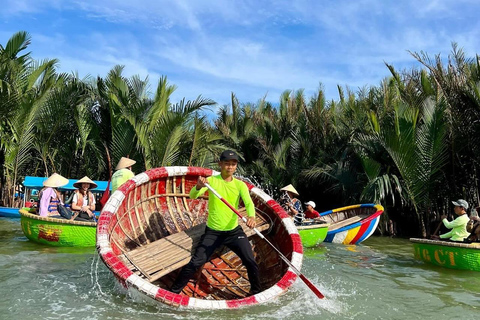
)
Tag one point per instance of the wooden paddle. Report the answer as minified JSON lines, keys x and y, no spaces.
{"x":304,"y":279}
{"x":438,"y":228}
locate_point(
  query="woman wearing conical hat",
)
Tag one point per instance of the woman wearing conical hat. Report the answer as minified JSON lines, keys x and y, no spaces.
{"x":123,"y":173}
{"x":49,"y":197}
{"x":83,"y":202}
{"x":292,"y":205}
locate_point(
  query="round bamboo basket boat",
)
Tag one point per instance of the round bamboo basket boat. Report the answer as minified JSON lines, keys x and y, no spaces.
{"x":448,"y":254}
{"x":149,"y":228}
{"x":57,"y":232}
{"x":313,"y":234}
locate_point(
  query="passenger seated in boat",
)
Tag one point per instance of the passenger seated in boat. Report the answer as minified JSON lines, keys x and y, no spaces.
{"x":123,"y":173}
{"x":83,"y":201}
{"x":311,"y":213}
{"x":459,"y":225}
{"x":292,"y":205}
{"x":222,"y":224}
{"x":473,"y":227}
{"x":49,"y":197}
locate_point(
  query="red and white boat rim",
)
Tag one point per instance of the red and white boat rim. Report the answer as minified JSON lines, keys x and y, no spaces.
{"x":129,"y":279}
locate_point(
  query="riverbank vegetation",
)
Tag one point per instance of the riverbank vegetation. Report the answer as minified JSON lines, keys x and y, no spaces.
{"x":412,"y":143}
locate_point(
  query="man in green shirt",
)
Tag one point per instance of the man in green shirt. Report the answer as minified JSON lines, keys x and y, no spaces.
{"x":123,"y":173}
{"x":459,"y":225}
{"x":222,"y":224}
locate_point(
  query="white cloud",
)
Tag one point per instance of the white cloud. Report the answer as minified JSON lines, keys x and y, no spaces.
{"x":249,"y":47}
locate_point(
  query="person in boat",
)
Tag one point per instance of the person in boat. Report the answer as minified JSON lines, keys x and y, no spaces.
{"x":311,"y":213}
{"x":222,"y":224}
{"x":291,"y":204}
{"x":49,"y":197}
{"x":123,"y":173}
{"x":459,"y":225}
{"x":473,"y":226}
{"x":83,"y":201}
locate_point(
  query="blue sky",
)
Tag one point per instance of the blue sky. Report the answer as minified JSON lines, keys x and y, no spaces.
{"x":251,"y":48}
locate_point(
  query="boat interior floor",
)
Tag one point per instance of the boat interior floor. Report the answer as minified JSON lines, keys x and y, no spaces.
{"x":163,"y":256}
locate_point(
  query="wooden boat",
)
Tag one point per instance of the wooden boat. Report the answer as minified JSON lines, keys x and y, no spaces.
{"x":312,"y":234}
{"x":149,"y":226}
{"x":352,"y":224}
{"x":448,"y":254}
{"x":9,"y":212}
{"x":57,"y":232}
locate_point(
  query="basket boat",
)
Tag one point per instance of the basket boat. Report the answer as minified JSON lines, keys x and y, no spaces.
{"x":313,"y":234}
{"x":57,"y":232}
{"x":448,"y":254}
{"x":352,"y":224}
{"x":149,"y":226}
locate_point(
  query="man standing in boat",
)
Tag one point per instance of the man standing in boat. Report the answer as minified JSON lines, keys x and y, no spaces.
{"x":459,"y":225}
{"x":222,"y":224}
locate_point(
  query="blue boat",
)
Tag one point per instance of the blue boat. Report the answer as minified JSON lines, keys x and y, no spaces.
{"x":34,"y":184}
{"x":9,"y":212}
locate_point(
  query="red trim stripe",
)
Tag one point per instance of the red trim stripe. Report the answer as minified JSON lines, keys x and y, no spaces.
{"x":241,"y":302}
{"x":156,"y":173}
{"x":116,"y":265}
{"x":360,"y":232}
{"x":287,"y":280}
{"x":127,"y":187}
{"x":297,"y":243}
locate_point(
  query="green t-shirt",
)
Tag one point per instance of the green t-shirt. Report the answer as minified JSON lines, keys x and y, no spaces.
{"x":459,"y":228}
{"x":120,"y":177}
{"x":220,"y":216}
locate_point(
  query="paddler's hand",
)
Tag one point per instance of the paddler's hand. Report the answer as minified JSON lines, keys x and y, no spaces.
{"x":201,"y":183}
{"x":251,"y":223}
{"x":443,"y":216}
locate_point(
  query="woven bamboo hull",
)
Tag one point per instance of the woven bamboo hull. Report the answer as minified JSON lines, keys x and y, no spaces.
{"x":149,"y":227}
{"x":352,"y":224}
{"x":448,"y":254}
{"x":57,"y":232}
{"x":9,"y":212}
{"x":313,"y":235}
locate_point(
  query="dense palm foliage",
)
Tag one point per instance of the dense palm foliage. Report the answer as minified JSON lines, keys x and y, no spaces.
{"x":410,"y":143}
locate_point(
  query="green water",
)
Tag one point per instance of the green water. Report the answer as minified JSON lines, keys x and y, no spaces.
{"x":376,"y":280}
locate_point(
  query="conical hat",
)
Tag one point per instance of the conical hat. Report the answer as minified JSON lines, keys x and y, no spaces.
{"x":85,"y":179}
{"x":125,"y":163}
{"x":290,"y":188}
{"x":55,"y":181}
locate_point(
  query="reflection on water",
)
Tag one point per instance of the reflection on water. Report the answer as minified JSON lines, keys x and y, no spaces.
{"x":378,"y":279}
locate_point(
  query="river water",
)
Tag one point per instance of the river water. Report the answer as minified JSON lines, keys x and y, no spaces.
{"x":378,"y":279}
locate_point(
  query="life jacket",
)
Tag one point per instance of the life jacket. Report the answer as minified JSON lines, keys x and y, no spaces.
{"x":80,"y":198}
{"x":52,"y":205}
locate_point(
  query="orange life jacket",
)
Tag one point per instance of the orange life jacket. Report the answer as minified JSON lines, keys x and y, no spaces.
{"x":80,"y":198}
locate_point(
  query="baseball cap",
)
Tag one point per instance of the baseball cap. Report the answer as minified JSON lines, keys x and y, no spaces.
{"x":228,"y":155}
{"x":461,"y":203}
{"x":310,"y":203}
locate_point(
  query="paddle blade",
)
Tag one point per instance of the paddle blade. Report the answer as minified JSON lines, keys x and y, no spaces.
{"x":311,"y":286}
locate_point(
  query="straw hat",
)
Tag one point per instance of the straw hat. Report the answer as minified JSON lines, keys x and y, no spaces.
{"x":125,"y":163}
{"x":85,"y":179}
{"x":55,"y":181}
{"x":290,"y":188}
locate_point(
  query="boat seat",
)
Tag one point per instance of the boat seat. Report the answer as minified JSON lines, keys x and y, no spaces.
{"x":343,"y":223}
{"x":158,"y":258}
